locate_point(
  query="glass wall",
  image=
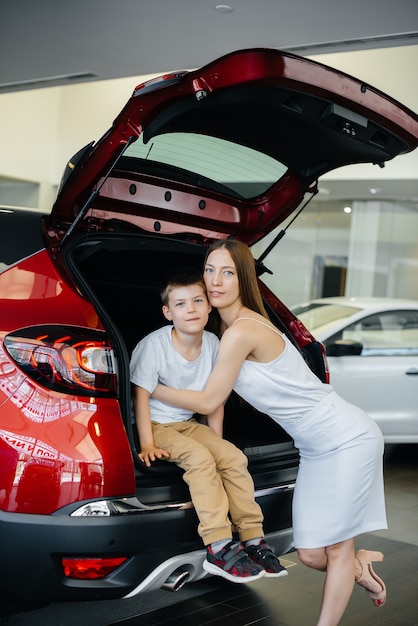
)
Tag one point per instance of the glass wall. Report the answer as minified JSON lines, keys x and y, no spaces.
{"x":15,"y":192}
{"x":370,"y":251}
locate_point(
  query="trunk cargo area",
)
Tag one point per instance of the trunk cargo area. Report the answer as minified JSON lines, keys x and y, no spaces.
{"x":122,"y":273}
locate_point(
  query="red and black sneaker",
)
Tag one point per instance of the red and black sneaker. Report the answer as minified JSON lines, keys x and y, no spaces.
{"x":233,"y":563}
{"x":264,"y":556}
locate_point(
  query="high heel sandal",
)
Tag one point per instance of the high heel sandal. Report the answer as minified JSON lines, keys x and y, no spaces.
{"x":365,"y":558}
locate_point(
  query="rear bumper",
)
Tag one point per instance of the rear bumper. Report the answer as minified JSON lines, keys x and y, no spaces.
{"x":157,"y":542}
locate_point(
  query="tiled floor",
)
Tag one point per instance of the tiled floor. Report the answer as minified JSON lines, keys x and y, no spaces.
{"x":294,"y":601}
{"x":401,"y":489}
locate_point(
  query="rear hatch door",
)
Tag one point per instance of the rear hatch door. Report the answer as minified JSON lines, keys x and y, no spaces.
{"x":230,"y":149}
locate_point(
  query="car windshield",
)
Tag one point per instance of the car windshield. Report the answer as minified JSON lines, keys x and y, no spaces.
{"x":315,"y":315}
{"x":204,"y":161}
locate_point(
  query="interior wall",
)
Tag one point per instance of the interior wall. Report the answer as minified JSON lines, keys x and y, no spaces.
{"x":42,"y":128}
{"x":378,"y":239}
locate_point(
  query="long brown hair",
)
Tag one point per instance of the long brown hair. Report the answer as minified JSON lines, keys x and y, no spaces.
{"x":247,"y":278}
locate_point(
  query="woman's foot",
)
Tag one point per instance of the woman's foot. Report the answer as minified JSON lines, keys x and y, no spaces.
{"x":367,"y":578}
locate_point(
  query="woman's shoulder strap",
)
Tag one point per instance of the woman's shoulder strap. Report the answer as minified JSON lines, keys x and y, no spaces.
{"x":254,"y":319}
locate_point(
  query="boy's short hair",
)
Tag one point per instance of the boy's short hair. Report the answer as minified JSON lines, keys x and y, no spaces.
{"x":180,"y":277}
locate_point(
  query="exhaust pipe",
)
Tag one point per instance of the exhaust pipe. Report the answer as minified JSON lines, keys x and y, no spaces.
{"x":176,"y":580}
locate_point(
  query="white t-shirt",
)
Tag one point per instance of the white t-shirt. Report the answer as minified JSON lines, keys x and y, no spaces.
{"x":155,"y":360}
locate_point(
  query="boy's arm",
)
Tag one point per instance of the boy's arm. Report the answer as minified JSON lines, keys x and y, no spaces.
{"x":148,"y":452}
{"x":216,"y":420}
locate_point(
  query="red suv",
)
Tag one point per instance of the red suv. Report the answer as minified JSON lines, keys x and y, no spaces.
{"x":229,"y":150}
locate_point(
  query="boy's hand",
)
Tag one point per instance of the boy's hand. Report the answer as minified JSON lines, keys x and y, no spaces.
{"x":151,"y":453}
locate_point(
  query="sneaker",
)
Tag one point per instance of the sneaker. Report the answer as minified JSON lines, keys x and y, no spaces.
{"x":233,"y":563}
{"x":263,"y":555}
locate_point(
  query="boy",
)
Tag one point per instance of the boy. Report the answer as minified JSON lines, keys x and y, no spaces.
{"x":182,"y":355}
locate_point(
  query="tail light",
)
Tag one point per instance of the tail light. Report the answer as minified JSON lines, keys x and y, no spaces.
{"x":68,"y":359}
{"x":90,"y":568}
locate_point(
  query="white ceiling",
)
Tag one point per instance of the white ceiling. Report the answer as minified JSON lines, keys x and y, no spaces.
{"x":59,"y":42}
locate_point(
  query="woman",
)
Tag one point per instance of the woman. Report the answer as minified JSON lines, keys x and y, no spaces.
{"x":339,"y":489}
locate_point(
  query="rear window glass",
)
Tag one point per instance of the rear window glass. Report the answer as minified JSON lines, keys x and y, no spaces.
{"x":208,"y":162}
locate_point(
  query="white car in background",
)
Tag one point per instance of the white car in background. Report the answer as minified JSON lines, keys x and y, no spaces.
{"x":372,"y":351}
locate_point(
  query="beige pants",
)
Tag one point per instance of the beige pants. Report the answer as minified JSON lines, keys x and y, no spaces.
{"x":218,"y":479}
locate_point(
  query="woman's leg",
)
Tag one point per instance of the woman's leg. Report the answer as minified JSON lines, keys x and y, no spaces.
{"x":339,"y":564}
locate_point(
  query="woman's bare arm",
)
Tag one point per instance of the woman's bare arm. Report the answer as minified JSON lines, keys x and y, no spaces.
{"x":216,"y":420}
{"x":234,"y":347}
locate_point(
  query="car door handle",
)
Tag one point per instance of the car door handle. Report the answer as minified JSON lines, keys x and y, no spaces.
{"x":413,"y":371}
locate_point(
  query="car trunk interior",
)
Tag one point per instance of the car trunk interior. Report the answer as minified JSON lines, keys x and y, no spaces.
{"x":123,"y":273}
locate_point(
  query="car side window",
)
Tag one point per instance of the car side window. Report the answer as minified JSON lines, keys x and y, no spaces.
{"x":20,"y":235}
{"x":388,"y":333}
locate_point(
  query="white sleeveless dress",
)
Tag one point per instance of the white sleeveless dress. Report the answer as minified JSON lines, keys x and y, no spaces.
{"x":339,"y":491}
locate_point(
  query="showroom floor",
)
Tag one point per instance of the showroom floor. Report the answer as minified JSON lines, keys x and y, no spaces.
{"x":291,"y":601}
{"x":294,"y":601}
